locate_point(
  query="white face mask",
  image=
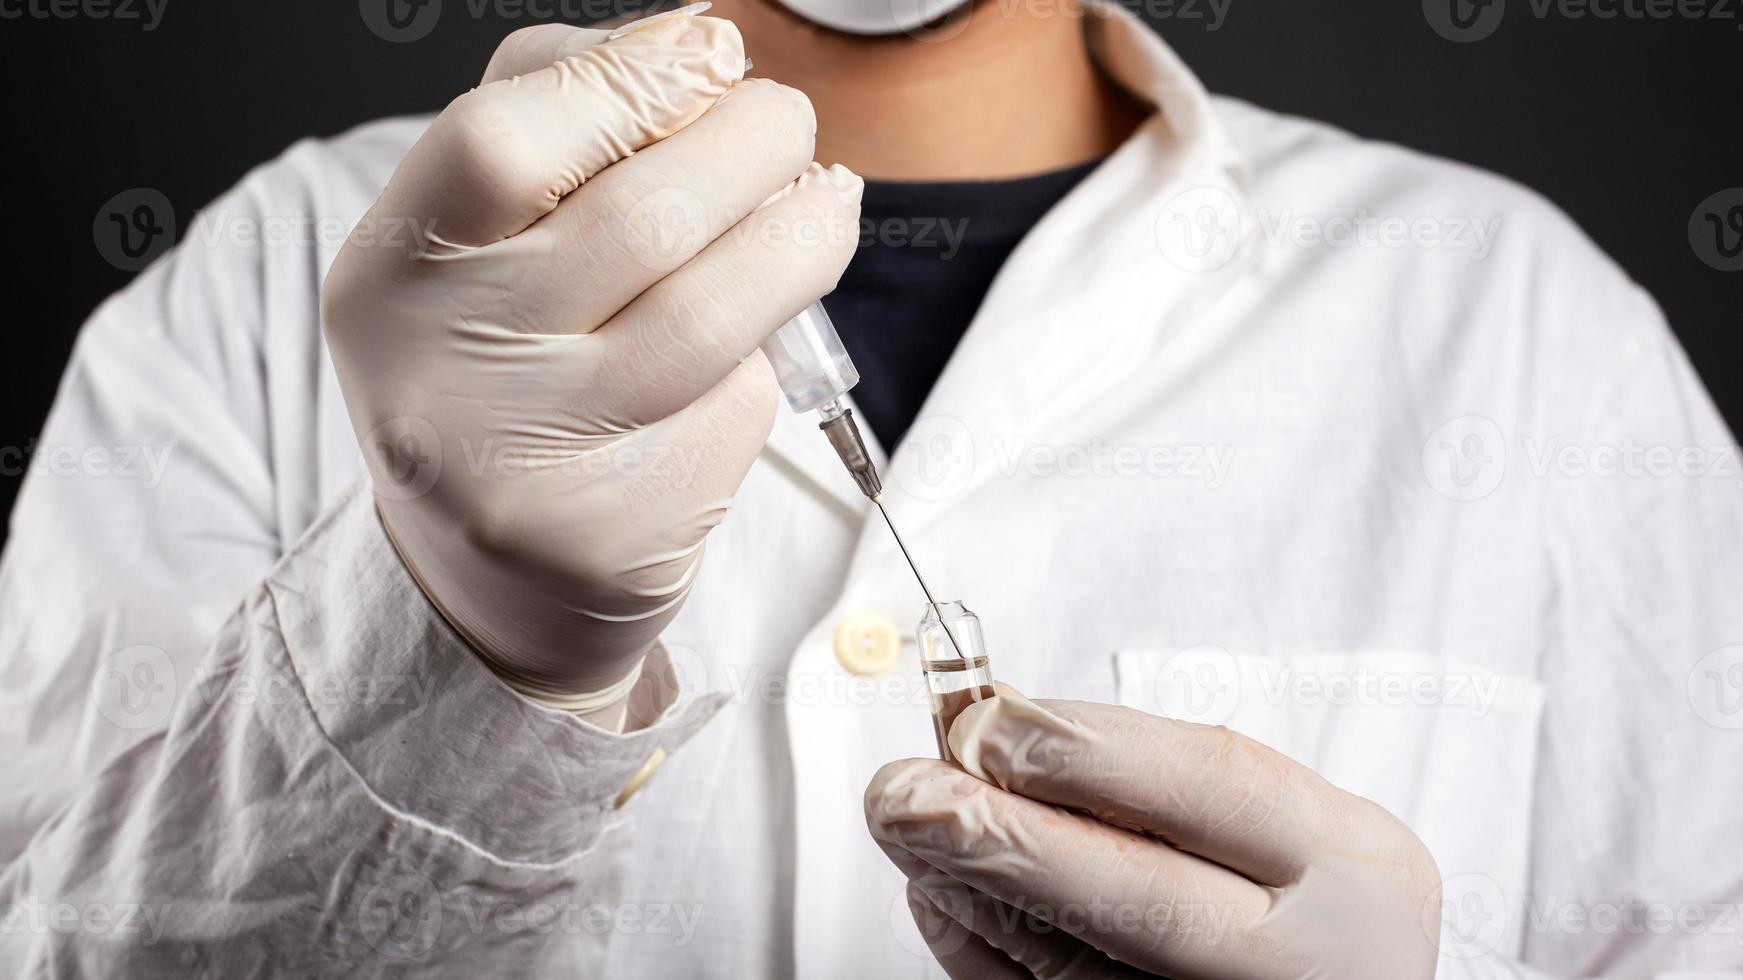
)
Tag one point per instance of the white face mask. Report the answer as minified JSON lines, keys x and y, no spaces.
{"x":872,"y":16}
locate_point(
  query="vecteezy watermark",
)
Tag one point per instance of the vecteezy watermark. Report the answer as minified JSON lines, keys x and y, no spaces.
{"x":1200,"y":684}
{"x":1207,"y":14}
{"x":405,"y":914}
{"x":1715,"y":688}
{"x":950,"y":912}
{"x":1553,"y":457}
{"x":1472,"y":918}
{"x":145,"y":464}
{"x":136,"y":687}
{"x":1473,"y":235}
{"x":665,"y":228}
{"x":677,"y":465}
{"x":919,"y":232}
{"x":222,"y":227}
{"x":1466,"y":21}
{"x":405,"y":457}
{"x":146,"y":13}
{"x":1716,"y":230}
{"x":403,"y":21}
{"x":1467,"y":459}
{"x":1631,"y":916}
{"x":133,"y":228}
{"x":1097,"y":459}
{"x":322,"y":688}
{"x":832,"y":686}
{"x":400,"y":21}
{"x":1202,"y":228}
{"x":1363,"y":684}
{"x":940,"y":22}
{"x":1206,"y":684}
{"x":401,"y":916}
{"x":941,"y":456}
{"x":946,"y":913}
{"x":139,"y":923}
{"x":935,"y":907}
{"x":1476,"y":914}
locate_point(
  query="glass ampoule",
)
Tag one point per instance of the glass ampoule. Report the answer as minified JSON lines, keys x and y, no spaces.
{"x":953,"y":658}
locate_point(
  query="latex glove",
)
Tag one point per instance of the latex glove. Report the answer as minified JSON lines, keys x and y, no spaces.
{"x":1140,"y":845}
{"x":556,"y":384}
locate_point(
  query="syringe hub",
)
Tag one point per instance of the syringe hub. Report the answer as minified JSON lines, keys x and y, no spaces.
{"x":844,"y":435}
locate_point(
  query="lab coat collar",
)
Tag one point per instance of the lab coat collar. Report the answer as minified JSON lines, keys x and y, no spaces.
{"x":1073,"y":298}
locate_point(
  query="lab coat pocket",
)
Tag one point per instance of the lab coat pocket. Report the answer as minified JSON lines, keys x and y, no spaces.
{"x":1450,"y":749}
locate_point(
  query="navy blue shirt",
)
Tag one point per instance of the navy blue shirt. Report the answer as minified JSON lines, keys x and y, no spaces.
{"x":927,"y":254}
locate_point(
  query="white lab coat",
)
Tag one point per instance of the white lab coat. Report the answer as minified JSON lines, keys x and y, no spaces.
{"x":1207,"y":449}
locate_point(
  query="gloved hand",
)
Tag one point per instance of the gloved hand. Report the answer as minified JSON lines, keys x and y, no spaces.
{"x":556,"y":383}
{"x":1137,"y":845}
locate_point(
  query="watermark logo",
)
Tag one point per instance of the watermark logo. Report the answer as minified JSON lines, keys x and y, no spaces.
{"x":665,"y":228}
{"x":1716,"y":230}
{"x":402,"y":916}
{"x":929,"y":916}
{"x":1464,"y":21}
{"x":1199,"y":229}
{"x":404,"y":456}
{"x":136,"y":687}
{"x":133,"y":228}
{"x":937,"y":460}
{"x":1473,"y":915}
{"x":1465,"y":459}
{"x":1202,"y":683}
{"x":938,"y":21}
{"x":690,"y":675}
{"x":1715,"y":688}
{"x":400,"y":21}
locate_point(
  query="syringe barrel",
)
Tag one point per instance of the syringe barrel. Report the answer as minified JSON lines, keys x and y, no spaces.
{"x":809,"y":361}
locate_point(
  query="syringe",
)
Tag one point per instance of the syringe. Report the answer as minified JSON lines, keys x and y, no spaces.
{"x":814,"y":371}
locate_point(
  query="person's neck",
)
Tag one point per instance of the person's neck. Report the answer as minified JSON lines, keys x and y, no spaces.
{"x":1010,"y":93}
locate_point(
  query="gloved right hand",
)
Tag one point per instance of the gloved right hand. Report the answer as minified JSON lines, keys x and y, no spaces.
{"x":556,"y":383}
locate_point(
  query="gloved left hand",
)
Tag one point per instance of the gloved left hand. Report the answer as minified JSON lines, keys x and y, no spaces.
{"x":1092,"y":841}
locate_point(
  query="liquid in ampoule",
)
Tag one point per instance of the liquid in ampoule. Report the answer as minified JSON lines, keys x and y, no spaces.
{"x":953,"y":658}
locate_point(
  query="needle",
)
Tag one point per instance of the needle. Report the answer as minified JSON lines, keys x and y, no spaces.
{"x":919,"y":578}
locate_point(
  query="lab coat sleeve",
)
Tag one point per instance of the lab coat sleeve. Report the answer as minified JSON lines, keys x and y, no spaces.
{"x":1640,"y":768}
{"x":341,"y":787}
{"x":235,"y":738}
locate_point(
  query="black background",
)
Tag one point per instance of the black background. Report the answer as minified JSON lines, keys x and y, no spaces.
{"x":1627,"y":123}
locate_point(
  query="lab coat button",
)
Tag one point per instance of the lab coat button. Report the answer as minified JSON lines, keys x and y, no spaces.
{"x":867,"y":643}
{"x":640,"y":777}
